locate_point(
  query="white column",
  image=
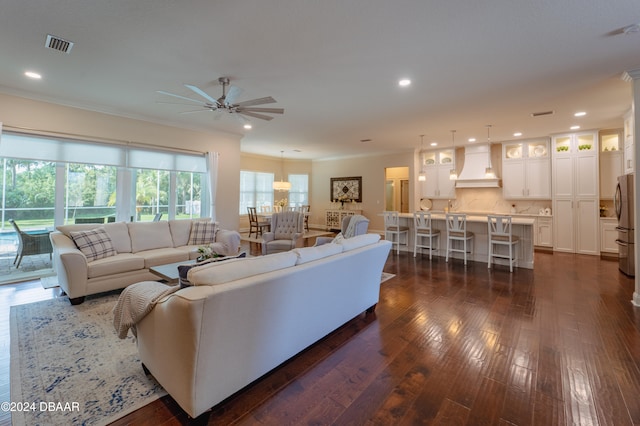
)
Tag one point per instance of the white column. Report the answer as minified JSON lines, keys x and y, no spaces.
{"x":633,"y":76}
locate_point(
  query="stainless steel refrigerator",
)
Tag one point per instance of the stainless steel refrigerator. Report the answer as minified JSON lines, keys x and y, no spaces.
{"x":623,"y":201}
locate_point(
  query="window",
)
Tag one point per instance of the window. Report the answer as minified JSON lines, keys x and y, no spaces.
{"x":299,"y":193}
{"x":90,"y":192}
{"x":256,"y":190}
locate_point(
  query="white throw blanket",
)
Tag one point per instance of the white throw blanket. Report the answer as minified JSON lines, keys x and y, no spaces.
{"x":351,"y":227}
{"x":136,"y":301}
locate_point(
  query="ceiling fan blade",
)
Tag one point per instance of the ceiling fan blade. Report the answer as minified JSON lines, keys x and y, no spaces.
{"x":162,"y":92}
{"x":202,"y":93}
{"x":255,"y":115}
{"x":232,"y":95}
{"x":195,"y":110}
{"x":269,"y":110}
{"x":259,"y":101}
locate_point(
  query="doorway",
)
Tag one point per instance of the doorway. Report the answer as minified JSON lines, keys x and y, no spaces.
{"x":396,"y":191}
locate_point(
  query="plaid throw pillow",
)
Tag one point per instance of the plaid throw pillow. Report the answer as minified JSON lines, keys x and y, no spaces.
{"x":94,"y":244}
{"x":202,"y":233}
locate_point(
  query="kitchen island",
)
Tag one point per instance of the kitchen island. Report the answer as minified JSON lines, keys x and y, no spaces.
{"x":522,"y":227}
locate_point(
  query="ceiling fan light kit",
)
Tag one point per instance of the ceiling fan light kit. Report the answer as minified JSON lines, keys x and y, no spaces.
{"x":227,"y":102}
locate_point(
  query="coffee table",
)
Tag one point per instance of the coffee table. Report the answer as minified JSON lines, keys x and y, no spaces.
{"x":169,"y":271}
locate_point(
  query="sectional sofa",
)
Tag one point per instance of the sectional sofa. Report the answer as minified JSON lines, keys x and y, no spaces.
{"x":90,"y":258}
{"x":244,"y":317}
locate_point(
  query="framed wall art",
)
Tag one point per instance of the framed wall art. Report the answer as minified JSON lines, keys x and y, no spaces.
{"x":346,"y":188}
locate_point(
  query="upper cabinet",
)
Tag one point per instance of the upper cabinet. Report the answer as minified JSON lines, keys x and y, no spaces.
{"x":611,"y":161}
{"x":526,"y":170}
{"x":629,"y":154}
{"x":436,"y":166}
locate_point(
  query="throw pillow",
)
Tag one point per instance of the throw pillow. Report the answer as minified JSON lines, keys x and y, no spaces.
{"x":94,"y":244}
{"x":202,"y":233}
{"x":183,"y":270}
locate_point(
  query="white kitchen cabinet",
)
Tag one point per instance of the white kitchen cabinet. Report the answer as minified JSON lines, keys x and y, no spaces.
{"x":526,"y":170}
{"x":608,"y":235}
{"x":629,"y":150}
{"x":436,"y":166}
{"x":543,"y":236}
{"x":611,"y":161}
{"x":575,"y":190}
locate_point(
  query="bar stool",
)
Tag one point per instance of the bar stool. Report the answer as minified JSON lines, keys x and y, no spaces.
{"x":422,"y":228}
{"x":392,"y":227}
{"x":457,"y":231}
{"x":500,"y":233}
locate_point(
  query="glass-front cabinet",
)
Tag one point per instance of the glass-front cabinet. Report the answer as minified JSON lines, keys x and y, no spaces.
{"x":526,"y":169}
{"x":581,"y":143}
{"x":436,"y":166}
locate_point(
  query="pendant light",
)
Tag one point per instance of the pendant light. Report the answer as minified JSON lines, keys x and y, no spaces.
{"x":422,"y":176}
{"x":282,"y":185}
{"x":453,"y":173}
{"x":488,"y":172}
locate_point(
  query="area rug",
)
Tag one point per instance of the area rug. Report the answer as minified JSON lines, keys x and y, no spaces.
{"x":69,"y":365}
{"x":386,"y":277}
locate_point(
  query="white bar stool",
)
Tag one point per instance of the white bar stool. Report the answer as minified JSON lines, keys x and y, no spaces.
{"x":423,"y":230}
{"x":457,"y":231}
{"x":392,"y":227}
{"x":500,"y":234}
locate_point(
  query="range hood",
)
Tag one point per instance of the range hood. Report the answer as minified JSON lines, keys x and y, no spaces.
{"x":476,"y":160}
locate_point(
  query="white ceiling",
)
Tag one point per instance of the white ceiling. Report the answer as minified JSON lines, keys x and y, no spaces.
{"x":334,"y":65}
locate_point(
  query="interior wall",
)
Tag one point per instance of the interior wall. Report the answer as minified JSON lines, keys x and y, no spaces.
{"x":52,"y":118}
{"x":372,"y":171}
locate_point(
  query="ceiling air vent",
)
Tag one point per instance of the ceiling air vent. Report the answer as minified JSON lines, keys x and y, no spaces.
{"x":540,"y":114}
{"x":58,"y":43}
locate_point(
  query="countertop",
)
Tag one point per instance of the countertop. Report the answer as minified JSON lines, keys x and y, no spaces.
{"x":517,"y":219}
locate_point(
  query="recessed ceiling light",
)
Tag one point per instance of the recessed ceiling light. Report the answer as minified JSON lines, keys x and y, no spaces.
{"x":472,"y":139}
{"x":32,"y":74}
{"x":247,"y":126}
{"x":404,"y":82}
{"x":574,"y":127}
{"x":516,"y":134}
{"x":434,"y":144}
{"x":580,"y":114}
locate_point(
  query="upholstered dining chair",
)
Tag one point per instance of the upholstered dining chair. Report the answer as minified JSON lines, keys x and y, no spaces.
{"x":424,"y":232}
{"x":255,"y":224}
{"x":359,"y":226}
{"x":286,"y":232}
{"x":30,"y":243}
{"x":392,"y":227}
{"x":500,"y":234}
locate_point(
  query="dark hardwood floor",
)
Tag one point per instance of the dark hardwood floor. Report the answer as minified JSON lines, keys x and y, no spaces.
{"x":450,"y":345}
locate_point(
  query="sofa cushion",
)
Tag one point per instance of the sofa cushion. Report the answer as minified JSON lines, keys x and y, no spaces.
{"x":162,"y":256}
{"x":180,"y":230}
{"x":124,"y":262}
{"x":94,"y":243}
{"x":183,"y":270}
{"x":202,"y":233}
{"x":235,"y":269}
{"x":309,"y":254}
{"x":119,"y":233}
{"x":149,"y":235}
{"x":358,"y":241}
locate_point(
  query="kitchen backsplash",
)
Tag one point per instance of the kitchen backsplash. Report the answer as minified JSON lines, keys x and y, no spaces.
{"x":490,"y":200}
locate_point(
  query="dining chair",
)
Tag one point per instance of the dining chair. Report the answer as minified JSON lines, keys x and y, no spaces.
{"x":255,"y":224}
{"x":30,"y":243}
{"x":500,"y":234}
{"x":423,"y":230}
{"x":457,"y":231}
{"x":392,"y":227}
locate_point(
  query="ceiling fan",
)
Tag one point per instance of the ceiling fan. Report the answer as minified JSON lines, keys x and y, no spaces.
{"x":226,"y":102}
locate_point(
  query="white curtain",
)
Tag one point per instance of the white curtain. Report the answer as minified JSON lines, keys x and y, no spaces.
{"x":212,"y":174}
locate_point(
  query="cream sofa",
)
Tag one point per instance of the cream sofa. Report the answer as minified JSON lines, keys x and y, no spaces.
{"x":138,"y":246}
{"x":244,"y":317}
